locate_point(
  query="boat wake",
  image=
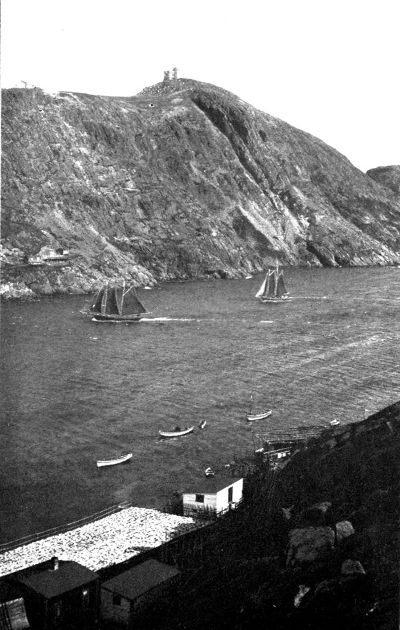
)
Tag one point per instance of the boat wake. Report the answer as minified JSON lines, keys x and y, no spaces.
{"x":169,"y":319}
{"x":309,"y":297}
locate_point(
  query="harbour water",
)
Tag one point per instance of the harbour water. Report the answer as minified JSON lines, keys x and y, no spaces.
{"x":74,"y":391}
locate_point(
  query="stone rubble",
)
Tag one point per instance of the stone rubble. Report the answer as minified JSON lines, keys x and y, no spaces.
{"x":102,"y":543}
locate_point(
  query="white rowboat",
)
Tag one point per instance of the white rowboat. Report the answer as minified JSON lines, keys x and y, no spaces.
{"x":113,"y":462}
{"x":259,"y":416}
{"x":169,"y":434}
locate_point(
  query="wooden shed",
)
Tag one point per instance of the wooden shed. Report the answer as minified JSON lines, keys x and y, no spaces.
{"x":129,"y":594}
{"x":215,"y":495}
{"x":60,"y":594}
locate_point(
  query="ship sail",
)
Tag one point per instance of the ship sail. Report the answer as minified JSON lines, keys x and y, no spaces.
{"x":96,"y":304}
{"x":111,"y":306}
{"x":261,"y":290}
{"x":117,"y":304}
{"x":130,"y":303}
{"x":280,"y":287}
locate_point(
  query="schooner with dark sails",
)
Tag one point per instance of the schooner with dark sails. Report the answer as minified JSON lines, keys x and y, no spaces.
{"x":116,"y":304}
{"x":273,"y":287}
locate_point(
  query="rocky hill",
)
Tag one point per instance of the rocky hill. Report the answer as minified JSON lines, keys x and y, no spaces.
{"x":389,"y":176}
{"x":183,"y":180}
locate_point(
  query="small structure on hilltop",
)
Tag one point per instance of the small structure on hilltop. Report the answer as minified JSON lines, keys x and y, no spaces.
{"x":167,"y":75}
{"x":213,"y":496}
{"x":130,"y":593}
{"x":59,"y":593}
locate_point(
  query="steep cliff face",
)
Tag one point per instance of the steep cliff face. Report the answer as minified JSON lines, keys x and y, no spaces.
{"x":183,"y":180}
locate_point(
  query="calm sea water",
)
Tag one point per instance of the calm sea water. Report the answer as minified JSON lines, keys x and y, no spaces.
{"x":74,"y":391}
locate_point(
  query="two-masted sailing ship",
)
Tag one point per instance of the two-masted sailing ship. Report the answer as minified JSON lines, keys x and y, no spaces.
{"x":273,"y":287}
{"x":116,"y":304}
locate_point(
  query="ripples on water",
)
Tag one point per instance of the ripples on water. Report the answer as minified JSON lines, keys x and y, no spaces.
{"x":74,"y":391}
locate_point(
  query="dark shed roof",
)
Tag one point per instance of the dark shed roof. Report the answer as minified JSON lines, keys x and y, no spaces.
{"x":211,"y":485}
{"x":51,"y":583}
{"x":140,"y":579}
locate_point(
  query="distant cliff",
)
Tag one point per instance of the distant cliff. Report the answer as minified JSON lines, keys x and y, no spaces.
{"x":183,"y":180}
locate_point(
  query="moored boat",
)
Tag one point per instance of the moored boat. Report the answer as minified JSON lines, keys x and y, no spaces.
{"x":176,"y":433}
{"x":259,"y":416}
{"x":116,"y":304}
{"x":115,"y":461}
{"x":209,"y":472}
{"x":202,"y":424}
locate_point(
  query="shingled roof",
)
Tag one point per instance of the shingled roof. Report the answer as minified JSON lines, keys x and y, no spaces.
{"x":210,"y":485}
{"x":51,"y":583}
{"x":140,"y":579}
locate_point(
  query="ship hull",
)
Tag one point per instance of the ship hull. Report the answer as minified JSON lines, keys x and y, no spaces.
{"x":113,"y":462}
{"x":259,"y":416}
{"x":172,"y":434}
{"x":274,"y":300}
{"x":127,"y":319}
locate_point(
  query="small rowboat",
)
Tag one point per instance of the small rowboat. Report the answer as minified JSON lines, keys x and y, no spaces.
{"x":202,"y":424}
{"x":113,"y":462}
{"x":334,"y":423}
{"x":259,"y":416}
{"x":176,"y":433}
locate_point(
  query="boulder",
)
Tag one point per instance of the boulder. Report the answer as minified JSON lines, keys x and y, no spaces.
{"x":308,"y":544}
{"x":352,"y":567}
{"x":344,"y":529}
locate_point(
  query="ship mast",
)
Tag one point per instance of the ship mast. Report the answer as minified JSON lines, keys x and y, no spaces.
{"x":122,"y":297}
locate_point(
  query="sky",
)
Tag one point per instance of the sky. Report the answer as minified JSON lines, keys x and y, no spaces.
{"x":329,"y":67}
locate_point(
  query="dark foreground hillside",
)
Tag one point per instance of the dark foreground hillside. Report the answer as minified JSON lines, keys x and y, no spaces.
{"x":315,"y":546}
{"x":184,"y":180}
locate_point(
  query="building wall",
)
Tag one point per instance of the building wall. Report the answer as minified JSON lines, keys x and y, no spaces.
{"x":127,"y":610}
{"x":222,"y":495}
{"x":67,"y":608}
{"x":217,"y":502}
{"x":112,"y":612}
{"x":153,"y":595}
{"x":191,"y":506}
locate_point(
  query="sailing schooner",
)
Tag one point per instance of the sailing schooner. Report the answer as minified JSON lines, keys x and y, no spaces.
{"x":273,"y":287}
{"x":116,"y":304}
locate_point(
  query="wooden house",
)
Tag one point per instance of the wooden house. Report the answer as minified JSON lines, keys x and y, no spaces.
{"x":59,"y":594}
{"x":128,"y":595}
{"x":213,"y":495}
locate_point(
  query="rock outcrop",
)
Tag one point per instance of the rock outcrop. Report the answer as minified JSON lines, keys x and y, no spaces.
{"x":183,"y":180}
{"x":388,"y":176}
